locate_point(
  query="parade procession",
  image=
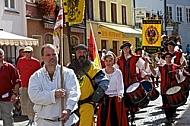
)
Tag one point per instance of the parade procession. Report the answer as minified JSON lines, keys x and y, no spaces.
{"x":94,"y":63}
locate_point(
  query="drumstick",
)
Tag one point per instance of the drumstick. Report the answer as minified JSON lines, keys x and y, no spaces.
{"x":174,"y":70}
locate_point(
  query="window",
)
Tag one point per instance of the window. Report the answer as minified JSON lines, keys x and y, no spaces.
{"x":179,"y":14}
{"x":124,"y":18}
{"x":89,"y":9}
{"x":48,"y":39}
{"x":74,"y":41}
{"x":188,"y":15}
{"x":102,"y":10}
{"x":169,"y":12}
{"x":10,"y":4}
{"x":115,"y":47}
{"x":113,"y":13}
{"x":103,"y":44}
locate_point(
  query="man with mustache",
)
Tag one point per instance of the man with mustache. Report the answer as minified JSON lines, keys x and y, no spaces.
{"x":93,"y":83}
{"x":46,"y":93}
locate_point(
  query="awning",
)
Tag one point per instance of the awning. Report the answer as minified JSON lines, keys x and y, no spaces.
{"x":130,"y":32}
{"x":11,"y":39}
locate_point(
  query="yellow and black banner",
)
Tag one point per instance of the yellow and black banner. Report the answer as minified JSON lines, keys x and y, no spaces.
{"x":74,"y":11}
{"x":151,"y":35}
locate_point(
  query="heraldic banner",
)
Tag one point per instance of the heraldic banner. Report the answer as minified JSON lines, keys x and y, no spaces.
{"x":151,"y":37}
{"x":75,"y":11}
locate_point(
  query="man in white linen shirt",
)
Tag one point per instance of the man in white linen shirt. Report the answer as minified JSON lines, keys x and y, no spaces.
{"x":45,"y":90}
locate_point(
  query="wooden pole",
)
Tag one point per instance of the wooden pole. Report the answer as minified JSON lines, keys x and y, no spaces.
{"x":61,"y":63}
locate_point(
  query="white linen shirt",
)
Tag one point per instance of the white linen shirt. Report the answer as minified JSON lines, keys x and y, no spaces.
{"x":116,"y":86}
{"x":41,"y":91}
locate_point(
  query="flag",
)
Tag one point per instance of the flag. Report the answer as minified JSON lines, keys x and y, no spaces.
{"x":151,"y":33}
{"x":57,"y":30}
{"x":93,"y":50}
{"x":75,"y":10}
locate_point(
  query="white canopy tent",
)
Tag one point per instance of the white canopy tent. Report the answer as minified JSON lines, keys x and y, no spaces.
{"x":11,"y":39}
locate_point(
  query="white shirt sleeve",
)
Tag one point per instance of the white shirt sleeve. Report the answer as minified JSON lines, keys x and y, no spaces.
{"x":72,"y":89}
{"x":140,"y":63}
{"x":120,"y":85}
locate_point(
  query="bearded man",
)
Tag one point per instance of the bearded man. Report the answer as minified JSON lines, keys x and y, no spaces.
{"x":93,"y":83}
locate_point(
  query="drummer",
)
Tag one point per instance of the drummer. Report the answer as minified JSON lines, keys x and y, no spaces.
{"x":143,"y":74}
{"x":167,"y":80}
{"x":127,"y":63}
{"x":180,"y":60}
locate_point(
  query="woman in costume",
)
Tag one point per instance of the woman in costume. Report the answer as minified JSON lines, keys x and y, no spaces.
{"x":112,"y":111}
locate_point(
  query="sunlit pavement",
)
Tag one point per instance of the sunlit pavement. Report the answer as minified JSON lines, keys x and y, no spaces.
{"x":152,"y":115}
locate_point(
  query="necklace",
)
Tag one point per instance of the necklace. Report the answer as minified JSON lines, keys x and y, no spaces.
{"x":51,"y":75}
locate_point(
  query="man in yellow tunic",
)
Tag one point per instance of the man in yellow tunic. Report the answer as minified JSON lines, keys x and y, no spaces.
{"x":93,"y":84}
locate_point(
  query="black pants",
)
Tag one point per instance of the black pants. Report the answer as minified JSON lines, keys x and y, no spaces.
{"x":169,"y":112}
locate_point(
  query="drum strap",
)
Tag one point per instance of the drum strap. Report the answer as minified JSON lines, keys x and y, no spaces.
{"x":128,"y":68}
{"x":169,"y":74}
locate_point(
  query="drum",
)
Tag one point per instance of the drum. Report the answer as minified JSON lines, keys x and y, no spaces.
{"x":175,"y":96}
{"x":144,"y":102}
{"x":184,"y":85}
{"x":153,"y":94}
{"x":136,"y":93}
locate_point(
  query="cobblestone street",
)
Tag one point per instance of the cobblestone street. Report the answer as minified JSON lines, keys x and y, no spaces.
{"x":153,"y":115}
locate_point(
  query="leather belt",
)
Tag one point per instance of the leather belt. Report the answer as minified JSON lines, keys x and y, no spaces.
{"x":53,"y":120}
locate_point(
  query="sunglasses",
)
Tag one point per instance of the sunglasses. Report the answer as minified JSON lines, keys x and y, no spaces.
{"x":27,"y":51}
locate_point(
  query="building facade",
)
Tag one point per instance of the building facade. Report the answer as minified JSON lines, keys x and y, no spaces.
{"x":112,"y":22}
{"x":178,"y":18}
{"x":12,"y":19}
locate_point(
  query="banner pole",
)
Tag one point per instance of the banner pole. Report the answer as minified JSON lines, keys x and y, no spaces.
{"x":61,"y":62}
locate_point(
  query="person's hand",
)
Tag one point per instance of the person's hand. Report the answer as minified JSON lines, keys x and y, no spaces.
{"x":119,"y":98}
{"x":14,"y":98}
{"x":65,"y":115}
{"x":59,"y":93}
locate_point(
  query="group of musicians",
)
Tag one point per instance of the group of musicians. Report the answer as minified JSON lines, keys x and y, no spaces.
{"x":170,"y":68}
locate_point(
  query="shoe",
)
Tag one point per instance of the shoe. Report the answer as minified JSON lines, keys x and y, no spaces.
{"x":28,"y":123}
{"x":172,"y":120}
{"x":133,"y":123}
{"x":31,"y":123}
{"x":168,"y":122}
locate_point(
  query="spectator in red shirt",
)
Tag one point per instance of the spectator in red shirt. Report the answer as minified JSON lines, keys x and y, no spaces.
{"x":27,"y":65}
{"x":9,"y":88}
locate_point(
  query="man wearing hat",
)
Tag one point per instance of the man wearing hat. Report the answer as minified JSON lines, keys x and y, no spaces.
{"x":93,"y":83}
{"x":169,"y":75}
{"x":27,"y":65}
{"x":143,"y":74}
{"x":163,"y":42}
{"x":179,"y":59}
{"x":128,"y":63}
